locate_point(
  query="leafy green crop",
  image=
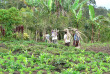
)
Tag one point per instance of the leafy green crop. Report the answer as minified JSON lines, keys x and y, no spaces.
{"x":52,"y":59}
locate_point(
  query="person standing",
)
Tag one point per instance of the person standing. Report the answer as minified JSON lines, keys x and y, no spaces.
{"x":76,"y":38}
{"x":47,"y":36}
{"x":54,"y":37}
{"x":67,"y":39}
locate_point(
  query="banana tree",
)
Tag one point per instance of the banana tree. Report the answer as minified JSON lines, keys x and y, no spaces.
{"x":95,"y":21}
{"x":92,"y":16}
{"x":75,"y":7}
{"x":100,"y":20}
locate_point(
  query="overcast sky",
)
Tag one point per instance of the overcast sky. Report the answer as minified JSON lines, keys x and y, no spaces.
{"x":104,"y":3}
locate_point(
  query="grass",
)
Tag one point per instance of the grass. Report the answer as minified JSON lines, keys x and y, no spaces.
{"x":32,"y":57}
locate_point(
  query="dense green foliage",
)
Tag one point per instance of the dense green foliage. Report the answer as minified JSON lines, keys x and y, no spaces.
{"x":9,"y":18}
{"x":55,"y":14}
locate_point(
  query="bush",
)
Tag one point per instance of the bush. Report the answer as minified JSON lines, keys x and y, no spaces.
{"x":25,"y":36}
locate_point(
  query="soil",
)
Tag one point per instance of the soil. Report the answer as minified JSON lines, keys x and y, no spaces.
{"x":6,"y":72}
{"x":35,"y":72}
{"x":99,"y":48}
{"x":106,"y":73}
{"x":16,"y":72}
{"x":2,"y":45}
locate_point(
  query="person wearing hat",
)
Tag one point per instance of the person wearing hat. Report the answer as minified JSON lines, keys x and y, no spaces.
{"x":67,"y":38}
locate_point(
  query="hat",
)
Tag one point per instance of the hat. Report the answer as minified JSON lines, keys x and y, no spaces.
{"x":65,"y":29}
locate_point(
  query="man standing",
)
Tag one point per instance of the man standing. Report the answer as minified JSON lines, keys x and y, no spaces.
{"x":76,"y":38}
{"x":67,"y":39}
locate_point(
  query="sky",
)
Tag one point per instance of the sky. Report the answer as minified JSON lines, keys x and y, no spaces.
{"x":103,"y":3}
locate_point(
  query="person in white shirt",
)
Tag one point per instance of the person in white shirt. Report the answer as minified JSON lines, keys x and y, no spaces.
{"x":47,"y":36}
{"x":54,"y":36}
{"x":67,"y":39}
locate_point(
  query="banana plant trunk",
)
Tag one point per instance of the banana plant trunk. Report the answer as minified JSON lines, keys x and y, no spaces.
{"x":77,"y":25}
{"x":17,"y":4}
{"x":36,"y":35}
{"x":92,"y":37}
{"x":44,"y":32}
{"x":58,"y":7}
{"x":99,"y":35}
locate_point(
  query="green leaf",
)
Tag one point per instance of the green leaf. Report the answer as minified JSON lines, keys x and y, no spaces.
{"x":74,"y":12}
{"x":81,"y":4}
{"x":79,"y":15}
{"x":91,"y":12}
{"x":50,"y":4}
{"x":75,"y":4}
{"x":97,"y":25}
{"x":60,"y":2}
{"x":98,"y":18}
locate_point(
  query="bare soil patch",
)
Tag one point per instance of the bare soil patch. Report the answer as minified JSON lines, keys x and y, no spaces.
{"x":2,"y":45}
{"x":99,"y":48}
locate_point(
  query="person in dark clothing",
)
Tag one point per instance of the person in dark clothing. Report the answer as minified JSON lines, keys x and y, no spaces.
{"x":76,"y":39}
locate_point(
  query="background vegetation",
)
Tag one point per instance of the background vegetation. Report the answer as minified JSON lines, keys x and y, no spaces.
{"x":42,"y":16}
{"x":21,"y":54}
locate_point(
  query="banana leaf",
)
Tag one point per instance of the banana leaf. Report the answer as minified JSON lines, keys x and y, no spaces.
{"x":98,"y":18}
{"x":50,"y":4}
{"x":74,"y":12}
{"x":32,"y":2}
{"x":79,"y":15}
{"x":91,"y":12}
{"x":97,"y":25}
{"x":75,"y":4}
{"x":60,"y":2}
{"x":80,"y":4}
{"x":83,"y":2}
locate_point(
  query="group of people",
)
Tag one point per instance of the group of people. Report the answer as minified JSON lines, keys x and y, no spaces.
{"x":73,"y":36}
{"x":53,"y":35}
{"x":69,"y":36}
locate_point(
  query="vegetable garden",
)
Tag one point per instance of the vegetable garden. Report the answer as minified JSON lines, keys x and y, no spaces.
{"x":41,"y":58}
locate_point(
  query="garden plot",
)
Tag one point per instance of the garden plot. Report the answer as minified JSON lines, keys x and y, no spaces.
{"x":29,"y":57}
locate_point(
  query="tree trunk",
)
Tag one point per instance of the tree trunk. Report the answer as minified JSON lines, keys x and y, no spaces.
{"x":77,"y":25}
{"x":17,"y":4}
{"x":44,"y":32}
{"x":92,"y":37}
{"x":99,"y":35}
{"x":58,"y":7}
{"x":36,"y":35}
